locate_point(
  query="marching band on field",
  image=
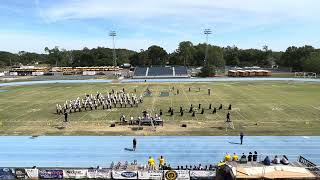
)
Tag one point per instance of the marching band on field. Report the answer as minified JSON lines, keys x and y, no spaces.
{"x":106,"y":101}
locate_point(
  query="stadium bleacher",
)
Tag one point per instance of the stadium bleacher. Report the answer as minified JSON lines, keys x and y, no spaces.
{"x":140,"y":71}
{"x":181,"y":71}
{"x":161,"y":72}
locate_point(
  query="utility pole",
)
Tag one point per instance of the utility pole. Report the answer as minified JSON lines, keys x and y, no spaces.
{"x":113,"y":34}
{"x":207,"y":32}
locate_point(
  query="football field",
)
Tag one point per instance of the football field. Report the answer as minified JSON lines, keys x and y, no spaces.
{"x":258,"y":108}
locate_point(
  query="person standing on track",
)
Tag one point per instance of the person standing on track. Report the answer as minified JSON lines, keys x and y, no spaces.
{"x":151,"y":163}
{"x":241,"y":138}
{"x":134,"y":144}
{"x":161,"y":162}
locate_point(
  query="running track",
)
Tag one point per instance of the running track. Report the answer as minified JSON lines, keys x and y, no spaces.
{"x":218,"y":79}
{"x":86,"y":151}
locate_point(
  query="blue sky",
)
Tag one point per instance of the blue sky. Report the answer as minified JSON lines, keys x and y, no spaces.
{"x":30,"y":25}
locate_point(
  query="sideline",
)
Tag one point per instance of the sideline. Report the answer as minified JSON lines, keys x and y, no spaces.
{"x":220,"y":79}
{"x":53,"y":82}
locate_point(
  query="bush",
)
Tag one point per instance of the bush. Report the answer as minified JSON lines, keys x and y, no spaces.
{"x":208,"y":71}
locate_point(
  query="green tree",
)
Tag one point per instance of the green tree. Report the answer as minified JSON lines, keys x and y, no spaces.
{"x":231,"y":56}
{"x":157,"y":55}
{"x":185,"y":53}
{"x":54,"y":55}
{"x":175,"y":59}
{"x":294,"y":57}
{"x":312,"y":63}
{"x":207,"y":71}
{"x":215,"y":56}
{"x":8,"y":59}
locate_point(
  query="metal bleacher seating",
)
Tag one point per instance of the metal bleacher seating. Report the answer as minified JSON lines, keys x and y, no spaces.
{"x":160,"y":71}
{"x":140,"y":71}
{"x":181,"y":71}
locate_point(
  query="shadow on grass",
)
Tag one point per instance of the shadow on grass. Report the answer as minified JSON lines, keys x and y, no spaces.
{"x":137,"y":128}
{"x":219,"y":128}
{"x":59,"y":127}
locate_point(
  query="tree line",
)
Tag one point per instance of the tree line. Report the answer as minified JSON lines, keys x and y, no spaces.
{"x":305,"y":58}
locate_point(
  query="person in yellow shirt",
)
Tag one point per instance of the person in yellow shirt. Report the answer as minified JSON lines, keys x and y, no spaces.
{"x":235,"y":157}
{"x":161,"y":162}
{"x":227,"y":157}
{"x":221,"y":163}
{"x":151,"y":163}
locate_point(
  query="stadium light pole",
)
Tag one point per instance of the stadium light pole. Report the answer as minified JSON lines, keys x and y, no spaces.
{"x":207,"y":32}
{"x":113,"y":34}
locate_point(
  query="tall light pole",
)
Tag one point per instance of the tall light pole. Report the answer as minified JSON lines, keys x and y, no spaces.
{"x":207,"y":32}
{"x":113,"y":34}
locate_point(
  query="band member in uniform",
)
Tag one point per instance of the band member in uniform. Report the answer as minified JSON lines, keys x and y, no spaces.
{"x":66,"y":117}
{"x":214,"y":110}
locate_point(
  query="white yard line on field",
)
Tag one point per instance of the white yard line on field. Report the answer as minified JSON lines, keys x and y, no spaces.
{"x":187,"y":97}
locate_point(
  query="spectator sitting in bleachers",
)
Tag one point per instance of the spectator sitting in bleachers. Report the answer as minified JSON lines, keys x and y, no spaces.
{"x":266,"y":161}
{"x":255,"y":156}
{"x":235,"y":157}
{"x":250,"y":157}
{"x":221,"y":163}
{"x":276,"y":160}
{"x":200,"y":167}
{"x":243,"y":159}
{"x":227,"y":157}
{"x":165,"y":167}
{"x":284,"y":160}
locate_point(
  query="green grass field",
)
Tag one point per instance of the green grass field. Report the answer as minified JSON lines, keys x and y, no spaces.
{"x":259,"y":108}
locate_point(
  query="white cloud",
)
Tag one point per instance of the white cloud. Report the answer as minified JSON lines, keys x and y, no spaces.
{"x":163,"y":22}
{"x":181,"y":17}
{"x":207,"y":9}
